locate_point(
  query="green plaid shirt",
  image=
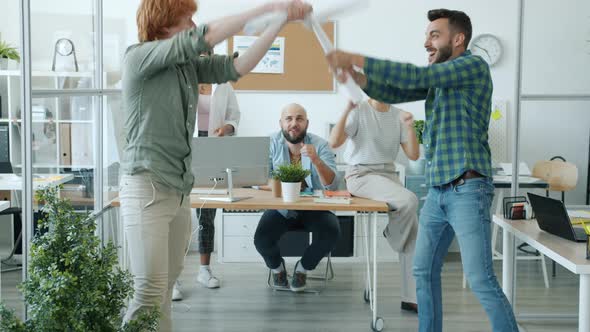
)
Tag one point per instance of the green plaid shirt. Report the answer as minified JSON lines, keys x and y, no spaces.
{"x":458,"y":107}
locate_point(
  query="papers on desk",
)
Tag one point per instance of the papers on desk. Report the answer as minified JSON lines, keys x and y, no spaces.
{"x":521,"y":179}
{"x":578,"y":213}
{"x":332,"y":200}
{"x":523,"y":169}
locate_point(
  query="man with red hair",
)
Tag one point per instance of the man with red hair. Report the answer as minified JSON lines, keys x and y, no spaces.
{"x":160,"y":93}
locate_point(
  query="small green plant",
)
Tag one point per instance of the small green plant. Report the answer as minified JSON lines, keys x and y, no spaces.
{"x":290,"y":173}
{"x":74,"y":283}
{"x":7,"y":51}
{"x":419,"y":129}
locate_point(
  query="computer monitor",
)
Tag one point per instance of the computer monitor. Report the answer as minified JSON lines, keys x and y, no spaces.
{"x":5,"y":165}
{"x":247,"y":159}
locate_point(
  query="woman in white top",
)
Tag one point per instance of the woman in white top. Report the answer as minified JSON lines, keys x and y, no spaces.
{"x":375,"y":132}
{"x":218,"y":114}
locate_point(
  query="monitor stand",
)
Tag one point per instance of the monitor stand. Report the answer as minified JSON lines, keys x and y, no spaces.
{"x":230,"y":198}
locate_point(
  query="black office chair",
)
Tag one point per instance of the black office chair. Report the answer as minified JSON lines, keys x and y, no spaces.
{"x":16,"y":212}
{"x":325,"y":277}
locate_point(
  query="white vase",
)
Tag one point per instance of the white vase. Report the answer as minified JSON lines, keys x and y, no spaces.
{"x":3,"y":63}
{"x":417,"y":167}
{"x":290,"y":191}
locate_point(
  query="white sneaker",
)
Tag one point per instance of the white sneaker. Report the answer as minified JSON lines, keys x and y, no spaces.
{"x":176,"y":292}
{"x":207,"y":279}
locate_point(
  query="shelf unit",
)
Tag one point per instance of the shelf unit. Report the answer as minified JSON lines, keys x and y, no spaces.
{"x":62,"y":127}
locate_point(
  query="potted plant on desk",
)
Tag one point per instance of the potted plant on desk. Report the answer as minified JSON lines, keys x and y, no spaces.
{"x":416,"y":167}
{"x":7,"y":52}
{"x":291,"y":176}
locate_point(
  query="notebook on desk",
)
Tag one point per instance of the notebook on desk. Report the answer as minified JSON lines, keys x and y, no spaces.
{"x":553,"y":218}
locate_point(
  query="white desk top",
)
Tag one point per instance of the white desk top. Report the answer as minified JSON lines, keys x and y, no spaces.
{"x":569,"y":254}
{"x":14,"y":182}
{"x":4,"y":205}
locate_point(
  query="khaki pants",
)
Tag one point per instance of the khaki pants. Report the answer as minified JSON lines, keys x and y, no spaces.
{"x":379,"y":182}
{"x":157,"y":227}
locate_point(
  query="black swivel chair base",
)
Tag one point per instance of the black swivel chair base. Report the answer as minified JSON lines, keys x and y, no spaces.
{"x":328,"y":275}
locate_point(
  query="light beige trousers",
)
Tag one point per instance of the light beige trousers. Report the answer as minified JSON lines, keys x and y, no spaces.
{"x":380,"y":183}
{"x":157,"y":228}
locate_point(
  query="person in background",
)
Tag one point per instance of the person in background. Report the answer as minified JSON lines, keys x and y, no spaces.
{"x":160,"y":79}
{"x":218,"y":114}
{"x":374,"y":132}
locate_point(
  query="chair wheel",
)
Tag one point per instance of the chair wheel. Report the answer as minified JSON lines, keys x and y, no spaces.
{"x":378,"y":325}
{"x":366,"y":295}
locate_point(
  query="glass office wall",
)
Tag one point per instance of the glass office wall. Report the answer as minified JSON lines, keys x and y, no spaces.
{"x":76,"y":50}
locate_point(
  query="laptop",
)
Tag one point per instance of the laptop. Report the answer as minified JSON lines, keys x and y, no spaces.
{"x":553,"y":218}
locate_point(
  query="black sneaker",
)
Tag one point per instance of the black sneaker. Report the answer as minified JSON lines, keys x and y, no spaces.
{"x":299,"y":280}
{"x":280,"y":279}
{"x":408,"y":306}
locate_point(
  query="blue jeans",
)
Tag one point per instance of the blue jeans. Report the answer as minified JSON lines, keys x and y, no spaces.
{"x":464,"y":210}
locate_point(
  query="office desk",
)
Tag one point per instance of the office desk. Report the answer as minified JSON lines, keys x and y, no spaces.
{"x":568,"y":254}
{"x":263,"y":200}
{"x":15,"y":182}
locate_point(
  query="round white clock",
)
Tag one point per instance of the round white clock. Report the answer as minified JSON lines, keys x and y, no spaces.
{"x":488,"y":47}
{"x":64,"y":46}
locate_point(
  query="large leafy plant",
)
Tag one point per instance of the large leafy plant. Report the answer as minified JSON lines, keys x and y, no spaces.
{"x":290,"y":173}
{"x":74,"y":283}
{"x":419,"y":129}
{"x":7,"y":51}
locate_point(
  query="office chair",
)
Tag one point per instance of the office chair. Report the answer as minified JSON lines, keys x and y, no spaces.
{"x":325,"y":277}
{"x":560,"y":175}
{"x":16,"y":212}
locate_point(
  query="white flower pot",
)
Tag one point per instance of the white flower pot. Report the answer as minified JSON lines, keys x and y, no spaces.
{"x":290,"y":191}
{"x":3,"y":63}
{"x":417,"y":167}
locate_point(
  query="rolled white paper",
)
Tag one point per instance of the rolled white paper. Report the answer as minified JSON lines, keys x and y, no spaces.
{"x":354,"y":91}
{"x":261,"y":22}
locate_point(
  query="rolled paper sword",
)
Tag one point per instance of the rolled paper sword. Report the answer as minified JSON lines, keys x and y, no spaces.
{"x":354,"y":91}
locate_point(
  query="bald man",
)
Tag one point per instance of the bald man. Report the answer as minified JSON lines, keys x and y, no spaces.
{"x":294,"y":145}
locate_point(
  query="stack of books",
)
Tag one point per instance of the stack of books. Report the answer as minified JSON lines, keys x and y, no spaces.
{"x":334,"y":197}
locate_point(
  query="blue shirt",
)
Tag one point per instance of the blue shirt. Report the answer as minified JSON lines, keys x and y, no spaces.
{"x":279,"y":155}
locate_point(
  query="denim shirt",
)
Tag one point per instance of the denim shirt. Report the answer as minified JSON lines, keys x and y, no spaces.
{"x":279,"y":155}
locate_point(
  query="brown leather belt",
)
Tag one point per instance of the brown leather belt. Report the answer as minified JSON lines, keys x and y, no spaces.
{"x":470,"y":174}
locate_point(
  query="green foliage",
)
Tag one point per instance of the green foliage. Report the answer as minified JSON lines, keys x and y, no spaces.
{"x":7,"y":51}
{"x":74,"y":283}
{"x":419,"y":129}
{"x":290,"y":173}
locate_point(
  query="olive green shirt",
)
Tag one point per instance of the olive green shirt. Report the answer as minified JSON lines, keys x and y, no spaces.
{"x":160,"y":93}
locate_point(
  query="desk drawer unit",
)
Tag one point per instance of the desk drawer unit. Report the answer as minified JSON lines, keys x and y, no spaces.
{"x":237,"y":237}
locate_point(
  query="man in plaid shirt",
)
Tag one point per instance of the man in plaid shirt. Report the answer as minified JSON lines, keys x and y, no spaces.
{"x":457,"y":87}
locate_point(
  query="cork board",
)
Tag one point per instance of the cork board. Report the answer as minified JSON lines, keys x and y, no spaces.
{"x":305,"y":67}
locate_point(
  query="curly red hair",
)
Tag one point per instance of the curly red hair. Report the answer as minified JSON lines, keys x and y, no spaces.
{"x":154,"y":15}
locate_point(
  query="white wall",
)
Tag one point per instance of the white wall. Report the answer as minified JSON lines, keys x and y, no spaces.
{"x":390,"y":29}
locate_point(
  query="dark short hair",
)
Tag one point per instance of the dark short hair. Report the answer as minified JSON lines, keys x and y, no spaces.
{"x":458,"y":21}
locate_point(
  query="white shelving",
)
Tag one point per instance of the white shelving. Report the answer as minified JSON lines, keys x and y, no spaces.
{"x":62,"y":126}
